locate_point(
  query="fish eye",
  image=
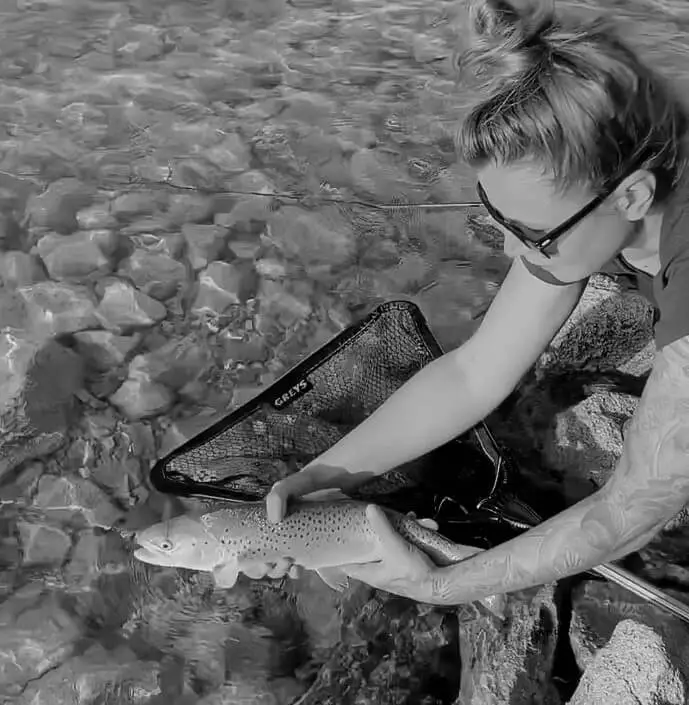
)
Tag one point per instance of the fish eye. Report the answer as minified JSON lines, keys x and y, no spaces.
{"x":166,"y":545}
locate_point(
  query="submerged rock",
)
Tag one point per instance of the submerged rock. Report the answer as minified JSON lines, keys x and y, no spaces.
{"x":19,"y":269}
{"x":63,"y":498}
{"x":35,"y":403}
{"x":98,"y":675}
{"x":57,"y":207}
{"x":103,"y":349}
{"x":95,"y":216}
{"x":222,"y":285}
{"x":140,"y":398}
{"x":129,"y":205}
{"x":45,"y":545}
{"x":205,"y":243}
{"x":277,"y":304}
{"x":231,"y":155}
{"x":313,"y":238}
{"x":56,"y":308}
{"x":174,"y":364}
{"x":154,"y":273}
{"x":36,"y":636}
{"x":124,"y":309}
{"x":189,"y":208}
{"x":78,"y":256}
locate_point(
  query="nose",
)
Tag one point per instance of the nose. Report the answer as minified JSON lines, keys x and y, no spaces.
{"x":513,"y":247}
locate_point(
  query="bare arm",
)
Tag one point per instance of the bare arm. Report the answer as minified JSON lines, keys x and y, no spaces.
{"x":455,"y":392}
{"x":650,"y":485}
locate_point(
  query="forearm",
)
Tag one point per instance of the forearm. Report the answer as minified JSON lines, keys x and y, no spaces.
{"x":436,"y":405}
{"x":650,"y":486}
{"x":572,"y":542}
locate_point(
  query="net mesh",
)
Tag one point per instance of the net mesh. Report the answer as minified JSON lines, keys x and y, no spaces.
{"x":313,"y":406}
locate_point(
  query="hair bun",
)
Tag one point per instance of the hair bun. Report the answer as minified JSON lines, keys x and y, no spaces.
{"x":508,"y":34}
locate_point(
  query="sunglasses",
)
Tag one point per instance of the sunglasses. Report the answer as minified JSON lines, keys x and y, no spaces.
{"x":535,"y":239}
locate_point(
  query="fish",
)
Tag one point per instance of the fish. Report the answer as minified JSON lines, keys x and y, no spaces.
{"x":317,"y":535}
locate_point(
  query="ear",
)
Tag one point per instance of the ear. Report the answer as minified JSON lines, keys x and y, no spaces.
{"x":637,"y":193}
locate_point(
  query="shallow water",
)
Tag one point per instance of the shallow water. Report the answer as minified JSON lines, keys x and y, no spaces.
{"x":144,"y":295}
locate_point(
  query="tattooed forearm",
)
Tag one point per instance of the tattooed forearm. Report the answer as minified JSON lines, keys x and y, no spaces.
{"x":649,"y":486}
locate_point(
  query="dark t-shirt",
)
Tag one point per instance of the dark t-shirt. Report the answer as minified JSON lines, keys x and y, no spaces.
{"x":668,"y":290}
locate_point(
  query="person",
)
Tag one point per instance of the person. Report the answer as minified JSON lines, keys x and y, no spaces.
{"x":580,"y":154}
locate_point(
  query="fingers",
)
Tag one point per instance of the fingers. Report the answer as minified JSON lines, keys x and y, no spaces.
{"x":255,"y":571}
{"x":279,"y":569}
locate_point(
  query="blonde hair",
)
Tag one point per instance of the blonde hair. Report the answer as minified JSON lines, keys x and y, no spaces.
{"x":571,"y":97}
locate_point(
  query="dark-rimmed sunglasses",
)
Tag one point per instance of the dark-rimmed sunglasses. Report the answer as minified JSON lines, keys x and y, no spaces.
{"x":535,"y":240}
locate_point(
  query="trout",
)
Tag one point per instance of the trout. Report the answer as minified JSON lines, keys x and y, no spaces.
{"x":317,"y":535}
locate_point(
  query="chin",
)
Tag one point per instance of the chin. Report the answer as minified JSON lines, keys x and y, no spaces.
{"x":146,"y":555}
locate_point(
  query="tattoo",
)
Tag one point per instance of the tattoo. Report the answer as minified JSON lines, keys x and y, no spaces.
{"x":650,"y":485}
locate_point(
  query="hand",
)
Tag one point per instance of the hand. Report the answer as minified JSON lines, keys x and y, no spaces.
{"x":277,"y":570}
{"x":405,"y":570}
{"x":314,"y":483}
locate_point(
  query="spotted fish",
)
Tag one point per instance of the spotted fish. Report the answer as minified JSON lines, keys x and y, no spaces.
{"x":317,"y":535}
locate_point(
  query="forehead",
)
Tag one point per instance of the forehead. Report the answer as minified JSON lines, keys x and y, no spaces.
{"x":524,"y":193}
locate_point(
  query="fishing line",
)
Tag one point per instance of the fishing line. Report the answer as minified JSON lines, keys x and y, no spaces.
{"x":398,"y":204}
{"x":166,"y":516}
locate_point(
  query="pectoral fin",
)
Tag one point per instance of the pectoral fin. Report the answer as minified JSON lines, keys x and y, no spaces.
{"x":334,"y":578}
{"x":226,"y":574}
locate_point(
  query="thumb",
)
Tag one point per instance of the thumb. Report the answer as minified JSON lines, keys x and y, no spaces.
{"x":394,"y":545}
{"x":295,"y":485}
{"x":395,"y":550}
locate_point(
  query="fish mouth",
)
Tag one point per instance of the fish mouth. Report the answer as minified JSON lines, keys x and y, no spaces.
{"x":146,"y":555}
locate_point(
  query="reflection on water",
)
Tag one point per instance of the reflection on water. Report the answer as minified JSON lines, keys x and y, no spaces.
{"x":144,"y":294}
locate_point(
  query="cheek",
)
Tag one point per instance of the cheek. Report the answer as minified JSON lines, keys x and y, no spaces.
{"x":596,"y":244}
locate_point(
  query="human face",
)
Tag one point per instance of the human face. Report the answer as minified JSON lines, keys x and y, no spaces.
{"x":525,"y":198}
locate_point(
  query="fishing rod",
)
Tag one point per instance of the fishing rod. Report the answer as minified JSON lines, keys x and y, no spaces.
{"x":643,"y":589}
